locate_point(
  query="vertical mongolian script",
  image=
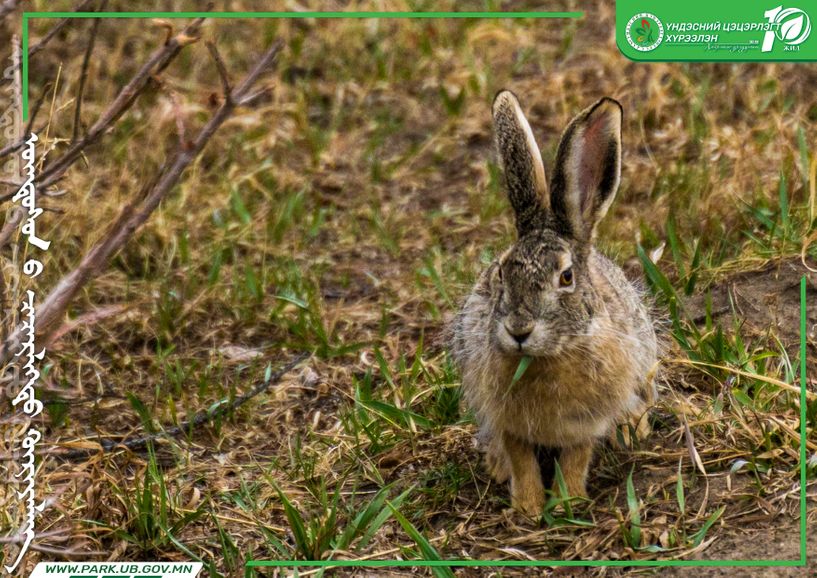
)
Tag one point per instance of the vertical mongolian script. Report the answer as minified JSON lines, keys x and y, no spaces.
{"x":28,"y":357}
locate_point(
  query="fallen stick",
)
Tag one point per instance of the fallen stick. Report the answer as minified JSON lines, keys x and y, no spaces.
{"x":107,"y":445}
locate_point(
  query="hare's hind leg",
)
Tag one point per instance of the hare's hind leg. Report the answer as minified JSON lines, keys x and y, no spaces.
{"x":527,"y":491}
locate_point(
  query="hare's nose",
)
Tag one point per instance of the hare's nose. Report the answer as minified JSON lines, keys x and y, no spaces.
{"x":520,"y":334}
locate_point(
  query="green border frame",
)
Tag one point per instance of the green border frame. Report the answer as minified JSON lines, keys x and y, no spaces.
{"x":252,"y":564}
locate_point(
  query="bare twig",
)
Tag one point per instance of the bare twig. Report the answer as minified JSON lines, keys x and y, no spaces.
{"x":239,"y":95}
{"x":83,"y":77}
{"x":36,"y":47}
{"x":167,"y":26}
{"x":13,"y":146}
{"x":18,"y":144}
{"x":13,"y":219}
{"x":65,"y":552}
{"x":34,"y":110}
{"x":250,"y":99}
{"x":222,"y":70}
{"x":135,"y":214}
{"x":123,"y":101}
{"x":51,"y":535}
{"x":201,"y":417}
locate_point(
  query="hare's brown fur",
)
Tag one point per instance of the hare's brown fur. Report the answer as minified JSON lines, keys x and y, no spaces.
{"x":592,"y":343}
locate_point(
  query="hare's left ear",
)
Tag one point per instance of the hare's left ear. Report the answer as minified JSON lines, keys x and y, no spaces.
{"x":588,"y":169}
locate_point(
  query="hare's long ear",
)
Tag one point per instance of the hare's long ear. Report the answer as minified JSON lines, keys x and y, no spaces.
{"x":521,"y":163}
{"x":588,"y":169}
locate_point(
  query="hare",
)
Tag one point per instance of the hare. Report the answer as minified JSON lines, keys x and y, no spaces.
{"x":552,"y":297}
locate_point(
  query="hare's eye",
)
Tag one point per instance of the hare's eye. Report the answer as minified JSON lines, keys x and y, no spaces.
{"x":566,"y":278}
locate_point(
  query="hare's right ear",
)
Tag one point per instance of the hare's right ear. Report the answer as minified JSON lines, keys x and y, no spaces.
{"x":521,"y":162}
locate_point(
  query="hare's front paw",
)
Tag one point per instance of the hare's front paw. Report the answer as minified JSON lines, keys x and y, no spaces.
{"x":528,"y":499}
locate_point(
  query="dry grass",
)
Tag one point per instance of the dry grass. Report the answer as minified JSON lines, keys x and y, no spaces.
{"x":347,"y":215}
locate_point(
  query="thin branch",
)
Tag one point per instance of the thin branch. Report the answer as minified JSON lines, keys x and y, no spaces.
{"x":12,"y":147}
{"x":222,"y":70}
{"x":133,"y":215}
{"x":36,"y":47}
{"x":187,"y":36}
{"x":53,"y":535}
{"x":123,"y":101}
{"x":15,"y":146}
{"x":83,"y":77}
{"x":13,"y":219}
{"x":250,"y":99}
{"x":200,"y":418}
{"x":67,"y":553}
{"x":240,"y":93}
{"x":5,"y":8}
{"x":36,"y":109}
{"x":10,"y":5}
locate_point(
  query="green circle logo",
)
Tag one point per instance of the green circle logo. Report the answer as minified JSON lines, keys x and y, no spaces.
{"x":795,"y":26}
{"x":644,"y":31}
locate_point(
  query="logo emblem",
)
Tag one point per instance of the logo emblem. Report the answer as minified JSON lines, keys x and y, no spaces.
{"x":793,"y":26}
{"x":644,"y":32}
